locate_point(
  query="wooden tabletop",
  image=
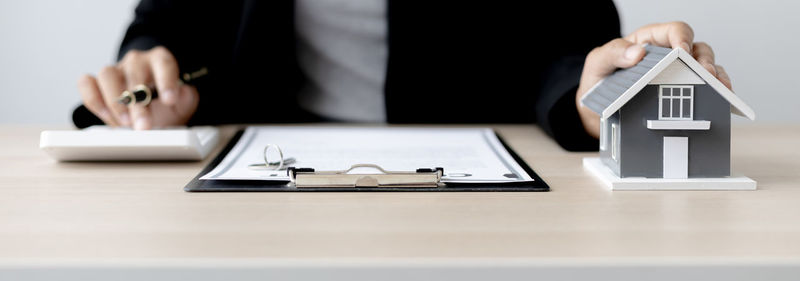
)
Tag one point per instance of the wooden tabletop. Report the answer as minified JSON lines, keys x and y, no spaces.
{"x":68,"y":211}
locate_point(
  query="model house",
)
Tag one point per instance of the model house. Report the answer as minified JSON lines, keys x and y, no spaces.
{"x":666,"y":117}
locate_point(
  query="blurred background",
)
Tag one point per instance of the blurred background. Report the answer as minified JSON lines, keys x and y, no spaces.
{"x":45,"y":45}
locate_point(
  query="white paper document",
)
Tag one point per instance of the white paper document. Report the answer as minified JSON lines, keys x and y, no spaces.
{"x":467,"y":155}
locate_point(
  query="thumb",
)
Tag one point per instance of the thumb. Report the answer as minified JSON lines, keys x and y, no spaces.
{"x":601,"y":62}
{"x":178,"y":113}
{"x":604,"y":60}
{"x":187,"y":102}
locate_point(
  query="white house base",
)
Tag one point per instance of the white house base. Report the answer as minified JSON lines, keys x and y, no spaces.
{"x":612,"y":181}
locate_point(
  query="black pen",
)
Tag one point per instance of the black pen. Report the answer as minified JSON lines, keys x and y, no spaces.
{"x":143,"y":94}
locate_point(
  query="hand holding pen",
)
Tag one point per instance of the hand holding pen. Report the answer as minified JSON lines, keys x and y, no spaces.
{"x":172,"y":99}
{"x":142,"y":95}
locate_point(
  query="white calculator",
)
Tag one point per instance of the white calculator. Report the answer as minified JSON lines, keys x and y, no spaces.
{"x":102,"y":143}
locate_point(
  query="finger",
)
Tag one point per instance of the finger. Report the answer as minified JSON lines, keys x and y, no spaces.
{"x":93,"y":99}
{"x":178,"y":114}
{"x":705,"y":56}
{"x":671,"y":34}
{"x":137,"y":71}
{"x":602,"y":61}
{"x":165,"y":73}
{"x":723,"y":77}
{"x":112,"y":84}
{"x":142,"y":118}
{"x":136,"y":67}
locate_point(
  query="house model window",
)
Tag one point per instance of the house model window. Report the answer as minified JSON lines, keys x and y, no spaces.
{"x":676,"y":102}
{"x":614,"y":142}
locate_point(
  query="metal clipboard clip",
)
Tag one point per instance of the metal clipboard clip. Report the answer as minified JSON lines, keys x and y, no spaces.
{"x":421,"y":178}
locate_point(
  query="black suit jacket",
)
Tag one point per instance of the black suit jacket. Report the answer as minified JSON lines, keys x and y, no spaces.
{"x":449,"y":61}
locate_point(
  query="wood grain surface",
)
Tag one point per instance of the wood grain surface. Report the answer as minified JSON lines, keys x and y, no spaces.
{"x":51,"y":210}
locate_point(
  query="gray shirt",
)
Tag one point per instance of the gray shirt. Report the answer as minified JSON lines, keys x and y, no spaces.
{"x":342,"y":49}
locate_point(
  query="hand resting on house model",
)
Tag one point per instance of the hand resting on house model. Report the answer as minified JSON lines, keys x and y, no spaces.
{"x":627,"y":52}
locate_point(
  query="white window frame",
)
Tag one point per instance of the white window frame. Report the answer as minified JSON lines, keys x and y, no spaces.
{"x":614,"y":142}
{"x":680,"y":98}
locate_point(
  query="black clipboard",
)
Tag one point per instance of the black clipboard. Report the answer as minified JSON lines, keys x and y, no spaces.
{"x":197,"y":185}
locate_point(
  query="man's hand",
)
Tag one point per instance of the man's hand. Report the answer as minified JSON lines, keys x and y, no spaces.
{"x":174,"y":106}
{"x":627,"y":52}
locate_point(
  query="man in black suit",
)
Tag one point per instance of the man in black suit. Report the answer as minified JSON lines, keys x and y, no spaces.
{"x":374,"y":61}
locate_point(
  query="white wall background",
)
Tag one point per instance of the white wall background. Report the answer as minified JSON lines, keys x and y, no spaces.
{"x":758,"y":43}
{"x":46,"y":44}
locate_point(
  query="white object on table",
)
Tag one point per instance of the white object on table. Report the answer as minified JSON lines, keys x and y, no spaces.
{"x":102,"y":143}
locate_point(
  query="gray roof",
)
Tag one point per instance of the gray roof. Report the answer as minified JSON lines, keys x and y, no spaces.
{"x":611,"y":88}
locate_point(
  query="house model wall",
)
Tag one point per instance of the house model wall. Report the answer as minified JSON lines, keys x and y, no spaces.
{"x":666,"y":117}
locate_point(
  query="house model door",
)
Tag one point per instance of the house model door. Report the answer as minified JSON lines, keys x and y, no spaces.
{"x":676,"y":157}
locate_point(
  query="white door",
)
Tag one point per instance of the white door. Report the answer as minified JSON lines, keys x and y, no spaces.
{"x":676,"y":157}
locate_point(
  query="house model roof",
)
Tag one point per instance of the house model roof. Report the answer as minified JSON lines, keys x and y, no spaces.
{"x":610,"y":94}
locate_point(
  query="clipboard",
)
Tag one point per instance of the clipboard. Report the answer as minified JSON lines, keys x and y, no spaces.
{"x":198,"y":185}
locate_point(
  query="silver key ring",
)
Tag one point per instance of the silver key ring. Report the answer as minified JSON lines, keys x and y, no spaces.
{"x":280,"y":153}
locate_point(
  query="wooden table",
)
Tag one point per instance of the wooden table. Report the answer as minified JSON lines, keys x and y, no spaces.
{"x":73,"y":218}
